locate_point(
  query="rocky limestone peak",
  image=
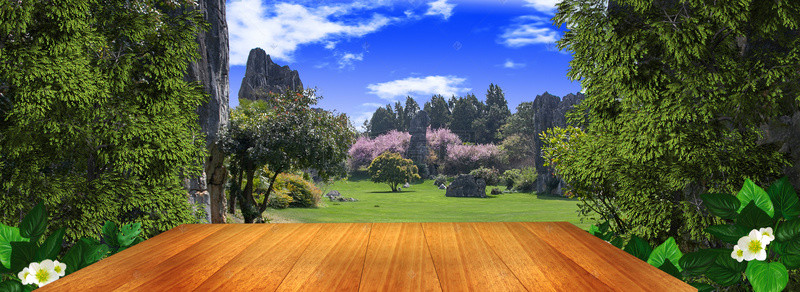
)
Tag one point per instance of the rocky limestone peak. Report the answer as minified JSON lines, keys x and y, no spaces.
{"x":262,"y":75}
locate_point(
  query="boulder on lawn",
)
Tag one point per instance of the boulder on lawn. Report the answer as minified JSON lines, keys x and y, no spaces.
{"x":467,"y":185}
{"x":442,"y":187}
{"x":496,"y":191}
{"x":405,"y":186}
{"x":333,"y":194}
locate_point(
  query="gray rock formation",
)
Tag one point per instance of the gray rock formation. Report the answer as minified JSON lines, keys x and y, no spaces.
{"x":549,"y":111}
{"x":418,"y":146}
{"x":211,"y":70}
{"x":785,"y":133}
{"x":332,"y":195}
{"x":263,"y":76}
{"x":466,"y":185}
{"x":442,"y":187}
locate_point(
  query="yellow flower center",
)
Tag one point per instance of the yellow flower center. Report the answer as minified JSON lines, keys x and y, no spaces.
{"x":740,"y":253}
{"x":755,"y":246}
{"x":765,"y":234}
{"x":57,"y":269}
{"x":42,"y":275}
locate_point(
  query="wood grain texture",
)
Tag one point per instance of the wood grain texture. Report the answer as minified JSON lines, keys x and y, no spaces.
{"x":539,"y":266}
{"x":618,"y":269}
{"x":263,"y":265}
{"x":130,"y":263}
{"x":333,"y":261}
{"x":494,"y":256}
{"x":464,"y":262}
{"x":398,"y":260}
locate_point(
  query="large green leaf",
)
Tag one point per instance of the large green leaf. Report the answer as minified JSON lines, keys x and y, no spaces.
{"x":702,"y":287}
{"x":787,"y":231}
{"x":128,"y":233}
{"x":725,"y":270}
{"x":34,"y":223}
{"x":753,"y":217}
{"x":11,"y":286}
{"x":7,"y":235}
{"x":750,"y":192}
{"x":669,"y":268}
{"x":51,"y":246}
{"x":94,"y":253}
{"x":697,"y":263}
{"x":22,"y":254}
{"x":727,"y":233}
{"x":667,"y":250}
{"x":722,"y":205}
{"x":792,"y":247}
{"x":784,"y":198}
{"x":74,"y":257}
{"x":639,"y":248}
{"x":767,"y":277}
{"x":791,"y":261}
{"x":110,"y":234}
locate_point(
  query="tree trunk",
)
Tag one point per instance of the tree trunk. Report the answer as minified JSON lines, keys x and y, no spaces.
{"x":217,"y":175}
{"x":263,"y":205}
{"x":236,"y":188}
{"x":248,"y":202}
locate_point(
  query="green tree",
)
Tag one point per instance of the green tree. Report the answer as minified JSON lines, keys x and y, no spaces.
{"x":411,"y":109}
{"x":675,"y":92}
{"x":494,"y":116}
{"x":96,"y":120}
{"x":438,"y":111}
{"x":382,"y":121}
{"x":392,"y":169}
{"x":283,"y":133}
{"x":399,"y":117}
{"x":465,"y":112}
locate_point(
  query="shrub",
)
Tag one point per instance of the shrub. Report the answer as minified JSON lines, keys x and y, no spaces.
{"x":392,"y":169}
{"x":279,"y":200}
{"x":521,"y":180}
{"x":304,"y":194}
{"x":509,"y":177}
{"x":465,"y":158}
{"x":364,"y":150}
{"x":440,"y":180}
{"x":490,"y":175}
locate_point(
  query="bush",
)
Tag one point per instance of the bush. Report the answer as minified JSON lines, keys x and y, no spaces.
{"x":521,"y":180}
{"x":304,"y":194}
{"x":440,"y":180}
{"x":392,"y":169}
{"x":464,"y":158}
{"x":490,"y":175}
{"x":279,"y":200}
{"x":509,"y":177}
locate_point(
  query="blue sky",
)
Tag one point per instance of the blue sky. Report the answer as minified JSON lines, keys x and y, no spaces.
{"x":365,"y":54}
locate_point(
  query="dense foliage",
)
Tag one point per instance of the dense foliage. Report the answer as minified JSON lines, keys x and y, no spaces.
{"x":675,"y":92}
{"x":365,"y":149}
{"x":304,"y":194}
{"x":465,"y":158}
{"x":392,"y":169}
{"x":489,"y":175}
{"x":96,"y":120}
{"x":283,"y":133}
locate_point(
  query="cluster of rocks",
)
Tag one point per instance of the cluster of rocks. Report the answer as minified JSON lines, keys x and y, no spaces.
{"x":335,"y":196}
{"x":262,"y":76}
{"x":466,"y":185}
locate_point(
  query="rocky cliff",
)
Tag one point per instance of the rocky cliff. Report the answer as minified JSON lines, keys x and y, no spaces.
{"x":264,"y":76}
{"x":211,"y":71}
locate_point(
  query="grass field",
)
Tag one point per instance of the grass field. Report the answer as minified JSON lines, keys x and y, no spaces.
{"x":425,"y":203}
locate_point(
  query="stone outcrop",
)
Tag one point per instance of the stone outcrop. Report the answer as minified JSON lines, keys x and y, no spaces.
{"x":466,"y":185}
{"x":418,"y":146}
{"x":211,"y":70}
{"x":333,"y":195}
{"x":549,"y":112}
{"x":784,"y":131}
{"x":263,"y":76}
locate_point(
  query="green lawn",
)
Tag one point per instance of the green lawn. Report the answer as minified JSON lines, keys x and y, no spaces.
{"x":425,"y":203}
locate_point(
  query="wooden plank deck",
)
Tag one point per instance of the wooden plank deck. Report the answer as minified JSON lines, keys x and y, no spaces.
{"x":493,"y":256}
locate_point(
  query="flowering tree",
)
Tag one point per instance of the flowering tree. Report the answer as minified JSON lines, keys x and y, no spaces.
{"x":439,"y":139}
{"x":364,"y":150}
{"x":464,"y":158}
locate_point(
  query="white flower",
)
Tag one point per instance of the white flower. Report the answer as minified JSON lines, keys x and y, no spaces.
{"x":60,"y":268}
{"x":738,"y":253}
{"x":42,"y":273}
{"x":753,"y":246}
{"x":767,"y":234}
{"x":23,"y":275}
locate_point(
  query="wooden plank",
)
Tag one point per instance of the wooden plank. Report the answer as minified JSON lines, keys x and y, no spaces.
{"x":398,"y":260}
{"x":333,"y":261}
{"x":130,"y":263}
{"x":263,"y":265}
{"x":464,"y":262}
{"x":539,"y":266}
{"x":187,"y":269}
{"x":616,"y":268}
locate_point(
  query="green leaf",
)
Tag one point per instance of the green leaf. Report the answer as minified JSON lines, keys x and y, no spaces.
{"x":727,"y":233}
{"x":22,"y":254}
{"x":7,"y":235}
{"x":784,"y":199}
{"x":617,"y":242}
{"x":726,"y":271}
{"x":671,"y":269}
{"x":702,"y":287}
{"x":792,"y":247}
{"x":110,"y":234}
{"x":74,"y":257}
{"x":593,"y":230}
{"x":51,"y":246}
{"x":667,"y":250}
{"x":723,"y":205}
{"x":750,"y":192}
{"x":11,"y":286}
{"x":94,"y":253}
{"x":697,"y":263}
{"x":753,"y":217}
{"x":128,"y":234}
{"x":604,"y":227}
{"x":34,"y":223}
{"x":791,"y":261}
{"x":639,"y":248}
{"x":767,"y":277}
{"x":788,"y":230}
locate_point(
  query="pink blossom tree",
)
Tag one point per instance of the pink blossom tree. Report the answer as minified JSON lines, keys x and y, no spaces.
{"x":364,"y":150}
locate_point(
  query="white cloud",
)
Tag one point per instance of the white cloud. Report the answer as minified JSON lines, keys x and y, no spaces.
{"x":430,"y":85}
{"x":280,"y":28}
{"x":529,"y":30}
{"x":546,"y":6}
{"x":440,"y":7}
{"x":358,"y":121}
{"x":346,"y":60}
{"x":511,"y":65}
{"x":372,"y":104}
